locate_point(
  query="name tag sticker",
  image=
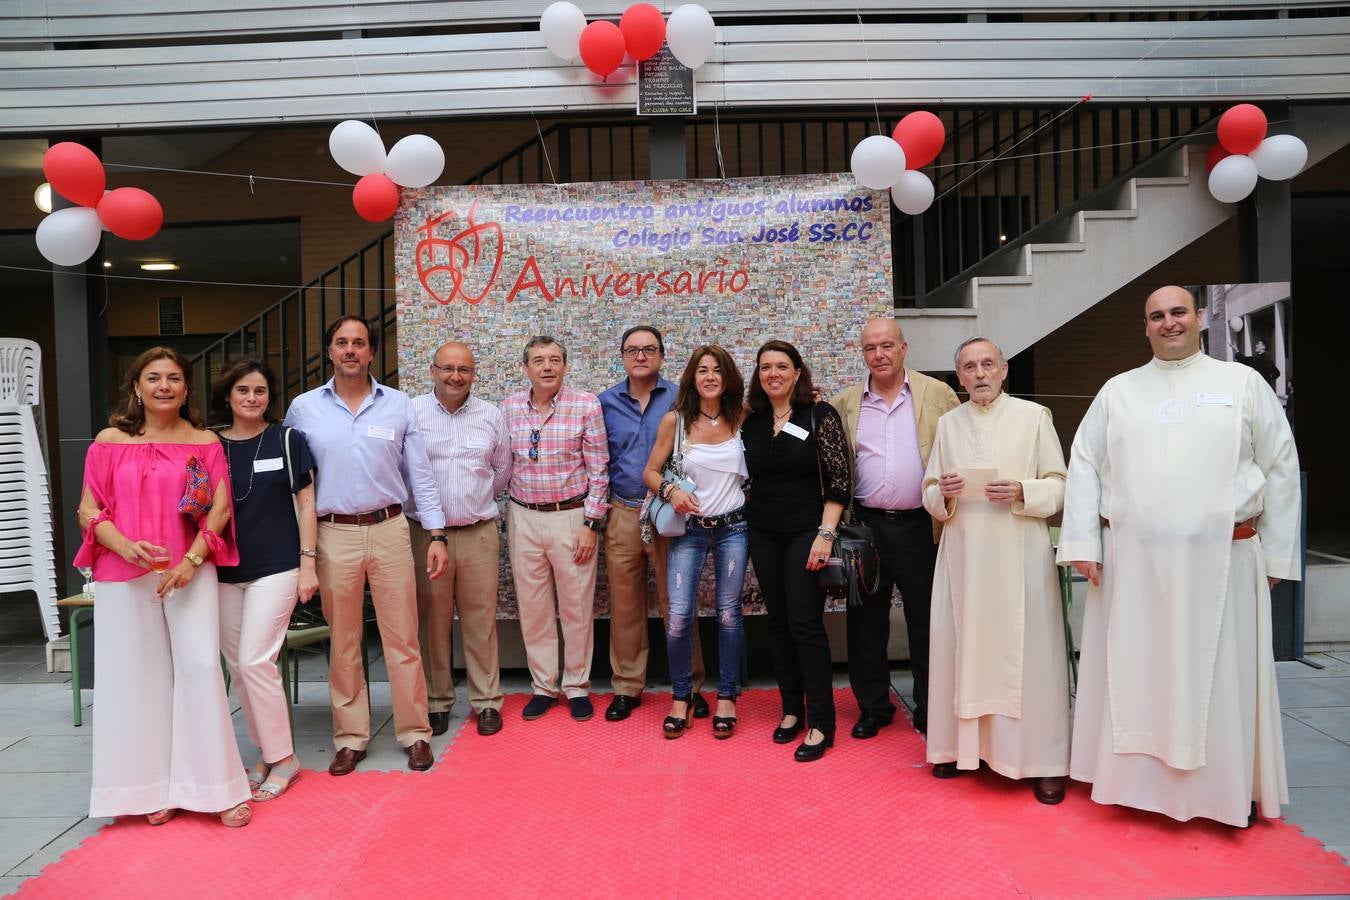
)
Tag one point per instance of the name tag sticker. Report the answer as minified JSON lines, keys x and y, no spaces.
{"x":477,"y":444}
{"x":382,"y":432}
{"x":796,"y":431}
{"x":267,"y":465}
{"x":1203,"y":399}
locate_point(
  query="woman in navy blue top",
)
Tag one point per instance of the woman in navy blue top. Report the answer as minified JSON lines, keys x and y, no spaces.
{"x":273,"y":491}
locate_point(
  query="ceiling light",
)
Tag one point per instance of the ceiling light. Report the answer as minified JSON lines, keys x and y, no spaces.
{"x":159,"y":267}
{"x":107,"y":264}
{"x":43,"y":197}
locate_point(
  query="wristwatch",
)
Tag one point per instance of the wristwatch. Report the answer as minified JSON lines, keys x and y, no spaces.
{"x":307,"y":551}
{"x":194,"y":559}
{"x":441,"y":538}
{"x":596,"y":525}
{"x":827,"y":534}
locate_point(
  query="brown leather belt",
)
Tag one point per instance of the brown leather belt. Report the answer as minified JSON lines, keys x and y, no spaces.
{"x":1241,"y":531}
{"x":574,"y":503}
{"x":374,"y":517}
{"x":469,"y":525}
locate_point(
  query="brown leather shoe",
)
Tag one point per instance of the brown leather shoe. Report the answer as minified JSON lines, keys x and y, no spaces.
{"x":345,"y":760}
{"x":419,"y":756}
{"x":1049,"y":790}
{"x":439,"y":721}
{"x":489,"y":722}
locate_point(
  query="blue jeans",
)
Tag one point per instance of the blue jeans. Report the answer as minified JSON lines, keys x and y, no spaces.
{"x":730,"y":549}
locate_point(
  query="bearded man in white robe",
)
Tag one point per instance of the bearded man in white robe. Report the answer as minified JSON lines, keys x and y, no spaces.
{"x":998,"y":684}
{"x":1182,"y":510}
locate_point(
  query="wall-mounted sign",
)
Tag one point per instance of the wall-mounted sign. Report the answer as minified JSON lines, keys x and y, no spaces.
{"x":170,"y":315}
{"x":665,"y":86}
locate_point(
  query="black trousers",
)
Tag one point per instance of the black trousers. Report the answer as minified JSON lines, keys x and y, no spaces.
{"x":908,"y":555}
{"x":796,"y":610}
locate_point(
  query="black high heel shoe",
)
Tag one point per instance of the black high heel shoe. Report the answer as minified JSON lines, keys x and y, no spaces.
{"x":786,"y":734}
{"x":674,"y":726}
{"x":811,"y":752}
{"x":723,"y":726}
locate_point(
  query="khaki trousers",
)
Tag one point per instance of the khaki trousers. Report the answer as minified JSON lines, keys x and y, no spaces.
{"x":626,"y":561}
{"x":469,"y":585}
{"x":549,"y":584}
{"x":348,"y":556}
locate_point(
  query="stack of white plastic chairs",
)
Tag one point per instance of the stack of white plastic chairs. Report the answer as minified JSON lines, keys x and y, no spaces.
{"x":26,"y":557}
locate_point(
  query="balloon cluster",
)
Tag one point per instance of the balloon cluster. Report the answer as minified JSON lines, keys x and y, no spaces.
{"x":70,"y":236}
{"x":640,"y":33}
{"x":415,"y":161}
{"x":1244,"y":153}
{"x":893,"y":163}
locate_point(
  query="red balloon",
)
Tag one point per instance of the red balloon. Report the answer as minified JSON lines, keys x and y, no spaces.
{"x":1242,"y":128}
{"x":921,"y":135}
{"x":602,"y":47}
{"x":644,"y":30}
{"x":1213,"y":155}
{"x":375,"y":197}
{"x":75,"y":173}
{"x":131,"y":213}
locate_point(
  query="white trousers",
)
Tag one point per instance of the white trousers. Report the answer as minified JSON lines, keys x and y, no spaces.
{"x":253,"y":620}
{"x":163,"y":738}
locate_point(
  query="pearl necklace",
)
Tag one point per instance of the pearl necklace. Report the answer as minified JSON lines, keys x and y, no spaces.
{"x":253,"y":471}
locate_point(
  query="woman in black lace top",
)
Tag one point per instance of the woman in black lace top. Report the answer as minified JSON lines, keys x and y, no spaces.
{"x":796,"y":453}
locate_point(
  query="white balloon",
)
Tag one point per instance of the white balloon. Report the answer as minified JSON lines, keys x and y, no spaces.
{"x":1232,"y":178}
{"x":691,"y":33}
{"x":1280,"y":156}
{"x":69,"y":236}
{"x":913,"y":193}
{"x":877,"y":162}
{"x":561,"y":25}
{"x":416,"y":161}
{"x":357,"y":147}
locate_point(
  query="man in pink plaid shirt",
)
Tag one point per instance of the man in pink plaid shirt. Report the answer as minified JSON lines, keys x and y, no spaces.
{"x":559,"y":504}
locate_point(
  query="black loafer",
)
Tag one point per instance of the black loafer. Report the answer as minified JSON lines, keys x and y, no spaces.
{"x":440,"y":722}
{"x":869,"y":723}
{"x":580,"y":708}
{"x":1049,"y":790}
{"x":788,"y":734}
{"x":701,"y":710}
{"x":945,"y":770}
{"x":621,"y":707}
{"x":538,"y":705}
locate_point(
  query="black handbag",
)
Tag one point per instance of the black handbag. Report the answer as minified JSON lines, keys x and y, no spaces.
{"x":853,"y":569}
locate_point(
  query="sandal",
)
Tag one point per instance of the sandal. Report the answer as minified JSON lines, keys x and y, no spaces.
{"x":674,"y":726}
{"x":278,"y":779}
{"x":257,"y":774}
{"x":724,"y":726}
{"x":237,"y":816}
{"x":159,"y":818}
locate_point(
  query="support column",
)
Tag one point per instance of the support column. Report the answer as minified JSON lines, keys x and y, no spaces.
{"x":81,"y":348}
{"x":667,"y":147}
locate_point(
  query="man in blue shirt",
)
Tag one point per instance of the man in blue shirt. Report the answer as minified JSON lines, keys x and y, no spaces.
{"x":365,"y":443}
{"x":633,"y":409}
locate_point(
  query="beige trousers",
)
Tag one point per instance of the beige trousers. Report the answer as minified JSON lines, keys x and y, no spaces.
{"x":549,"y":584}
{"x":348,"y":556}
{"x":469,"y":585}
{"x":626,"y":562}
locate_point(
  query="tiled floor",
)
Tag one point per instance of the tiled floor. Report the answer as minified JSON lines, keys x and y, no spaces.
{"x":44,"y":759}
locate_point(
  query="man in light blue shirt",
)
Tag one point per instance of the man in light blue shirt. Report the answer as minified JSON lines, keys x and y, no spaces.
{"x":633,"y":409}
{"x":365,"y":442}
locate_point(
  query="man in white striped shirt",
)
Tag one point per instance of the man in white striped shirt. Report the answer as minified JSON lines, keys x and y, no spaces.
{"x":470,"y":454}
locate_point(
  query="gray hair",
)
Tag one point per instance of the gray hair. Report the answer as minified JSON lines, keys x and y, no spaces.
{"x":538,"y":341}
{"x":956,"y":360}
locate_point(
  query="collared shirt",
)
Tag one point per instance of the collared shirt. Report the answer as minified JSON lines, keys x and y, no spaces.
{"x":366,"y":460}
{"x":573,"y":452}
{"x":632,"y":432}
{"x":470,"y":455}
{"x":890,"y":469}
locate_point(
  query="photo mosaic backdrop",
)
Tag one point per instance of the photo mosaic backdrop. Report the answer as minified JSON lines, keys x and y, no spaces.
{"x":806,"y":259}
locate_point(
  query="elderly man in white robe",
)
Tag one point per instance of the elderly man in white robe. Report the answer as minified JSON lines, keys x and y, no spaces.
{"x":1182,"y":510}
{"x":998,"y":684}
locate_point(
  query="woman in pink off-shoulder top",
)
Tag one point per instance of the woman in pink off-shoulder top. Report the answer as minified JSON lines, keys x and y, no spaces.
{"x":163,"y":739}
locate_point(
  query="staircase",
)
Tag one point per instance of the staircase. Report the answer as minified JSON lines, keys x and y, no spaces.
{"x":1081,"y":256}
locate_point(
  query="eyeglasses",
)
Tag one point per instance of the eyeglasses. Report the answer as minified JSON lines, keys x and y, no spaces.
{"x":464,"y":371}
{"x":534,"y":444}
{"x":635,"y":352}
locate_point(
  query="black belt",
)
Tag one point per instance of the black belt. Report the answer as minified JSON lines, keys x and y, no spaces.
{"x":574,"y":503}
{"x":373,"y":517}
{"x":892,"y":513}
{"x":731,"y":518}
